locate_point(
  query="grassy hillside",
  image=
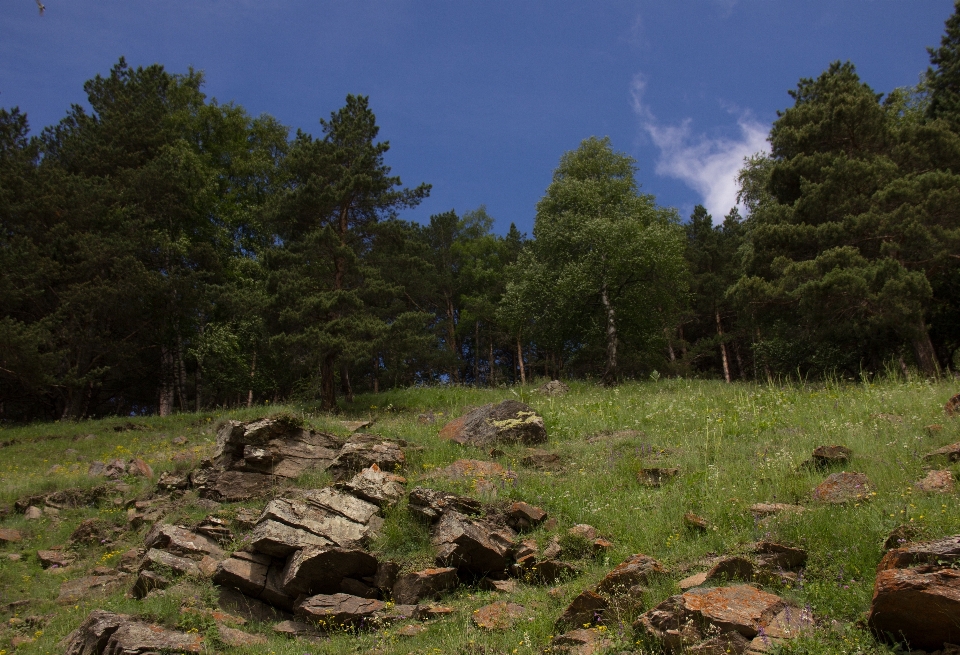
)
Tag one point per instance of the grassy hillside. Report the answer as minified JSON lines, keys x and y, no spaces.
{"x":735,"y":445}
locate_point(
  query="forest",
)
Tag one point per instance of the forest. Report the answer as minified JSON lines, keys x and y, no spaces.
{"x":162,"y":252}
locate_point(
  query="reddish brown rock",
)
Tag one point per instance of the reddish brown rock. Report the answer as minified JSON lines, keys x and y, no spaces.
{"x":475,"y":469}
{"x":635,"y":570}
{"x":790,"y":623}
{"x":181,"y":541}
{"x":695,"y":522}
{"x":589,"y":641}
{"x":334,"y":611}
{"x":826,"y":456}
{"x":147,"y":581}
{"x":918,"y":607}
{"x":900,"y":536}
{"x":497,"y":616}
{"x":163,"y":561}
{"x":472,"y":545}
{"x":54,"y":558}
{"x":933,"y":428}
{"x":503,"y":586}
{"x":238,"y":638}
{"x":550,"y":570}
{"x":772,"y":555}
{"x":540,"y":459}
{"x":430,"y":504}
{"x":116,"y":634}
{"x":507,"y":422}
{"x":952,"y":407}
{"x":296,"y":629}
{"x":586,"y":608}
{"x":427,"y":611}
{"x":692,"y":581}
{"x":91,"y":531}
{"x":944,"y":551}
{"x":321,"y":570}
{"x":138,"y":466}
{"x":951,"y":452}
{"x":10,"y":536}
{"x":523,"y":516}
{"x":936,"y":481}
{"x":244,"y":571}
{"x":412,"y":630}
{"x":411,"y":588}
{"x":843,"y":487}
{"x":583,"y":531}
{"x":732,"y":568}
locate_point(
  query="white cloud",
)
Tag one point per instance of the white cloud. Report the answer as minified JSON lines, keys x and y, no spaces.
{"x":707,"y":165}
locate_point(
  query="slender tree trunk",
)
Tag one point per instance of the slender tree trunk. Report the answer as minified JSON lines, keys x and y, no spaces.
{"x":345,"y":386}
{"x":181,"y":375}
{"x":452,"y":338}
{"x":493,"y":375}
{"x":523,"y":373}
{"x":328,"y":390}
{"x":904,"y":369}
{"x":253,"y":372}
{"x":198,"y":381}
{"x":923,"y":351}
{"x":166,"y":381}
{"x":723,"y":350}
{"x":673,"y":355}
{"x":376,"y":374}
{"x":610,"y":372}
{"x":736,"y":351}
{"x":476,"y":353}
{"x":683,"y":343}
{"x":766,"y":366}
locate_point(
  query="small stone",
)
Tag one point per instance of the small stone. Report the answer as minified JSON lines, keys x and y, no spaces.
{"x":425,"y":612}
{"x":296,"y":629}
{"x":583,"y":531}
{"x":540,"y":459}
{"x":497,"y":616}
{"x":138,"y":466}
{"x":934,"y":428}
{"x":10,"y":536}
{"x":338,"y":610}
{"x":843,"y":487}
{"x":900,"y":536}
{"x":148,"y":581}
{"x":51,"y":511}
{"x":951,"y":452}
{"x":695,"y":522}
{"x":353,"y":426}
{"x":72,"y":591}
{"x":638,"y":569}
{"x":589,"y":641}
{"x":503,"y":586}
{"x":53,"y":558}
{"x":770,"y":509}
{"x":656,"y":476}
{"x":553,"y":388}
{"x":179,"y":441}
{"x":33,"y":513}
{"x":601,"y":546}
{"x":246,"y":518}
{"x":238,"y":638}
{"x":14,"y":557}
{"x":826,"y":456}
{"x":692,"y":581}
{"x":426,"y":418}
{"x":936,"y":481}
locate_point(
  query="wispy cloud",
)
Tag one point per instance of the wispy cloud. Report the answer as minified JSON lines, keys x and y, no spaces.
{"x":707,"y":165}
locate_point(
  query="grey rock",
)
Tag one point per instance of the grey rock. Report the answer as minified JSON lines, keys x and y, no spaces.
{"x":362,"y":451}
{"x":411,"y":588}
{"x":472,"y":544}
{"x":279,"y":539}
{"x":507,"y":422}
{"x":159,"y":559}
{"x":72,"y":591}
{"x":376,"y":486}
{"x":321,"y":570}
{"x":181,"y":541}
{"x":147,"y":581}
{"x":334,"y":611}
{"x":93,"y":634}
{"x":430,"y":504}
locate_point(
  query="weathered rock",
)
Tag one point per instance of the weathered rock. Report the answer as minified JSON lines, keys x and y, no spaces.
{"x":353,"y":426}
{"x":695,"y":580}
{"x":728,"y":642}
{"x":252,"y":609}
{"x":732,"y":568}
{"x":523,"y":516}
{"x":772,"y":555}
{"x":274,"y":446}
{"x":161,"y":559}
{"x":296,"y":629}
{"x":238,"y":638}
{"x":477,"y":471}
{"x":338,"y":503}
{"x":695,"y":522}
{"x":688,"y":619}
{"x":762,"y":510}
{"x":246,"y":518}
{"x":553,"y":388}
{"x":427,"y":611}
{"x":426,"y":418}
{"x":356,"y":587}
{"x":320,"y":570}
{"x":589,"y":641}
{"x":362,"y":451}
{"x":503,"y":586}
{"x":72,"y":591}
{"x":373,"y":485}
{"x":656,"y":476}
{"x":790,"y":623}
{"x":827,"y":456}
{"x":411,"y":588}
{"x":93,"y":634}
{"x":288,"y":524}
{"x":91,"y":531}
{"x":586,"y":608}
{"x":917,"y":606}
{"x":394,"y":613}
{"x":553,"y":550}
{"x":843,"y":487}
{"x":179,"y":540}
{"x":497,"y":616}
{"x":332,"y":611}
{"x":411,"y":630}
{"x":637,"y":569}
{"x":943,"y":552}
{"x":10,"y":536}
{"x":66,"y":498}
{"x":147,"y":581}
{"x":430,"y":504}
{"x":540,"y":459}
{"x":951,"y":452}
{"x":952,"y":407}
{"x":386,"y":576}
{"x":244,"y":571}
{"x":900,"y":535}
{"x":172,"y":482}
{"x":279,"y":539}
{"x":137,"y":638}
{"x":550,"y":570}
{"x":232,"y":486}
{"x":583,"y":531}
{"x":54,"y":558}
{"x":472,"y":544}
{"x":33,"y":513}
{"x":507,"y":422}
{"x":936,"y":481}
{"x":139,"y":466}
{"x":526,"y":548}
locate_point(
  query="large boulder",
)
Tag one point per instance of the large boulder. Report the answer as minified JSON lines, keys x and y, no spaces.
{"x":274,"y":446}
{"x":365,"y":450}
{"x":322,"y":570}
{"x":335,"y":611}
{"x":376,"y":486}
{"x":637,"y":569}
{"x":473,"y":545}
{"x":288,"y":524}
{"x":507,"y":422}
{"x":411,"y":588}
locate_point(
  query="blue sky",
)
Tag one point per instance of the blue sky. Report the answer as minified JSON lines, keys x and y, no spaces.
{"x":480,"y":99}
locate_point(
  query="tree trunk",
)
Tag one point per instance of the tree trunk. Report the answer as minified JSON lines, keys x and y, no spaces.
{"x":476,"y":353}
{"x":452,"y":339}
{"x":199,"y":380}
{"x":376,"y":374}
{"x":345,"y":387}
{"x":736,"y":351}
{"x":923,"y":350}
{"x":683,"y":344}
{"x":610,"y":372}
{"x":253,"y":372}
{"x":723,"y":350}
{"x":673,"y":355}
{"x":328,"y":390}
{"x":523,"y":372}
{"x":166,"y":382}
{"x":181,"y":375}
{"x":493,"y":376}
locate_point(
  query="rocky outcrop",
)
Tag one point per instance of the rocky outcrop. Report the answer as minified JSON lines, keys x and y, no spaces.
{"x":336,"y":611}
{"x":323,"y":570}
{"x":430,"y":504}
{"x":507,"y":422}
{"x":411,"y":588}
{"x":363,"y":451}
{"x":473,"y":545}
{"x":106,"y":633}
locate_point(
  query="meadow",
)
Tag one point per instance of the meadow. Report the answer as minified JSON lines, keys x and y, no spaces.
{"x":734,"y":445}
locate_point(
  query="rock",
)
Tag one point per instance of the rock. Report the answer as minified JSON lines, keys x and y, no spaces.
{"x":279,"y":539}
{"x":130,"y":560}
{"x":334,"y":611}
{"x":692,"y":581}
{"x":503,"y":586}
{"x":637,"y":569}
{"x":51,"y":511}
{"x":138,"y":466}
{"x":522,"y":516}
{"x":582,"y":641}
{"x":162,"y":560}
{"x":246,"y":518}
{"x":172,"y":482}
{"x":208,"y":566}
{"x":411,"y":588}
{"x":790,"y":623}
{"x":497,"y":616}
{"x":72,"y":591}
{"x":179,"y":441}
{"x":244,"y":571}
{"x":656,"y":476}
{"x":583,"y":531}
{"x":33,"y":513}
{"x":952,"y":407}
{"x":147,"y":581}
{"x":731,"y":568}
{"x":601,"y":545}
{"x":943,"y":552}
{"x":899,"y":536}
{"x":91,"y":531}
{"x":394,"y":613}
{"x":320,"y":570}
{"x":827,"y":456}
{"x":526,"y":548}
{"x":695,"y":522}
{"x":553,"y":550}
{"x":553,"y":388}
{"x":587,"y":608}
{"x":181,"y":541}
{"x":274,"y":446}
{"x":386,"y":576}
{"x":688,"y":619}
{"x":353,"y":426}
{"x":238,"y":638}
{"x":728,"y":642}
{"x":933,"y":428}
{"x":332,"y":502}
{"x":231,"y":486}
{"x":471,"y":544}
{"x":426,"y":418}
{"x":411,"y":630}
{"x":769,"y":509}
{"x":425,"y":612}
{"x":296,"y":629}
{"x":288,"y":524}
{"x":540,"y":459}
{"x":476,"y":470}
{"x":54,"y":558}
{"x":936,"y":481}
{"x":550,"y":570}
{"x":372,"y":484}
{"x":92,"y":635}
{"x":951,"y":452}
{"x":843,"y":487}
{"x":430,"y":504}
{"x":14,"y":557}
{"x":507,"y":422}
{"x":135,"y":638}
{"x":252,"y":609}
{"x":215,"y":528}
{"x":362,"y":451}
{"x":356,"y":587}
{"x":772,"y":555}
{"x":917,"y":606}
{"x":10,"y":536}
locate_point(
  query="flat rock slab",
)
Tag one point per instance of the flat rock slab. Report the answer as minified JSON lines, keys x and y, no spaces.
{"x":430,"y":504}
{"x":233,"y":486}
{"x":411,"y":588}
{"x":54,"y":558}
{"x":587,"y":608}
{"x":790,"y":623}
{"x":523,"y":516}
{"x":951,"y":452}
{"x":470,"y":544}
{"x":635,"y":570}
{"x":942,"y":552}
{"x":296,"y":629}
{"x":160,"y":560}
{"x":540,"y":459}
{"x":844,"y":487}
{"x":936,"y":481}
{"x":498,"y":616}
{"x":920,"y":608}
{"x":10,"y":536}
{"x":289,"y":524}
{"x":334,"y":611}
{"x":72,"y":591}
{"x":106,"y":633}
{"x":507,"y":422}
{"x":353,"y":426}
{"x":179,"y":540}
{"x":583,"y":641}
{"x":378,"y":487}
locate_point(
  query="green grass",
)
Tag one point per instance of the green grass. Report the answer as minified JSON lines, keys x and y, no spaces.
{"x":735,"y":445}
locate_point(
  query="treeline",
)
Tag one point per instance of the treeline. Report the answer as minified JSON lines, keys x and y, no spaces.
{"x":162,"y":252}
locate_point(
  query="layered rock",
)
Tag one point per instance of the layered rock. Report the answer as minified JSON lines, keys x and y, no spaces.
{"x":106,"y":633}
{"x":507,"y":422}
{"x":473,"y":545}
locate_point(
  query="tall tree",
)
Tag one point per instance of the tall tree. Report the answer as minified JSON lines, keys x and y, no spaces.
{"x":606,"y":264}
